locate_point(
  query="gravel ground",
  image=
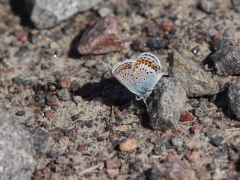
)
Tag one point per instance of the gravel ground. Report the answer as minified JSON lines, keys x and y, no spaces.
{"x":86,"y":125}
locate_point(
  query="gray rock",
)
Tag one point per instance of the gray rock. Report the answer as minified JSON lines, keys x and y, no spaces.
{"x":63,"y":94}
{"x":209,"y":6}
{"x":194,"y":79}
{"x":42,"y":140}
{"x":17,"y":150}
{"x":233,"y":97}
{"x":226,"y":60}
{"x":167,"y":104}
{"x":48,"y":13}
{"x":177,"y":141}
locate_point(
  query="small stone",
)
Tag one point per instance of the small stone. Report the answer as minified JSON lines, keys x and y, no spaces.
{"x":197,"y":127}
{"x":56,"y":35}
{"x":40,"y":100}
{"x":63,"y":94}
{"x":155,"y":43}
{"x":237,"y":147}
{"x":104,"y":11}
{"x":177,"y":141}
{"x":165,"y":140}
{"x":75,"y":86}
{"x":157,"y":151}
{"x":27,"y":82}
{"x":51,"y":154}
{"x":152,"y":30}
{"x":62,"y":160}
{"x":99,"y":66}
{"x":167,"y":25}
{"x":102,"y":37}
{"x":217,"y":140}
{"x":211,"y":166}
{"x":48,"y":113}
{"x":20,"y":113}
{"x":75,"y":117}
{"x":209,"y":6}
{"x":200,"y":112}
{"x":210,"y":133}
{"x":113,"y":172}
{"x":113,"y":163}
{"x":139,"y":45}
{"x":17,"y":80}
{"x":97,"y":101}
{"x":52,"y":101}
{"x":107,"y":58}
{"x":77,"y":99}
{"x":82,"y":148}
{"x":194,"y":155}
{"x":65,"y":83}
{"x":69,"y":28}
{"x":186,"y":117}
{"x":129,"y":145}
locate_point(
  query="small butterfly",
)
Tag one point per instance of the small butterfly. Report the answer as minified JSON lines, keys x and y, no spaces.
{"x":139,"y":76}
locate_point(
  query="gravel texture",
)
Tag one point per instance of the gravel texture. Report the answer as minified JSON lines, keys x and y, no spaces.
{"x":68,"y":118}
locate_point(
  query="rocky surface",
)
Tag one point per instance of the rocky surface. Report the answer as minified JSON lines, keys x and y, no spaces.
{"x":79,"y":115}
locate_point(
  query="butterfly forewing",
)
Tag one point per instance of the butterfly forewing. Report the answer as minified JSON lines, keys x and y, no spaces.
{"x":146,"y":72}
{"x":123,"y":73}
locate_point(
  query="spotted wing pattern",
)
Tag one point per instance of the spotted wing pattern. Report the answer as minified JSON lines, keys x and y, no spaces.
{"x":123,"y":73}
{"x":146,"y":72}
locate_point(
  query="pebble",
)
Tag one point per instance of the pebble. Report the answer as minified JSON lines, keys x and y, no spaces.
{"x":20,"y":113}
{"x":75,"y":117}
{"x":113,"y":163}
{"x":51,"y":154}
{"x":77,"y":99}
{"x":211,"y":166}
{"x":48,"y":113}
{"x":167,"y":25}
{"x":197,"y":127}
{"x":52,"y":101}
{"x":82,"y":148}
{"x":210,"y":133}
{"x":128,"y":145}
{"x":107,"y":58}
{"x":155,"y":43}
{"x":65,"y":83}
{"x":104,"y":11}
{"x":200,"y":112}
{"x":139,"y":45}
{"x":63,"y":94}
{"x":194,"y":155}
{"x":27,"y":82}
{"x":165,"y":140}
{"x":62,"y":160}
{"x":40,"y":100}
{"x":209,"y":6}
{"x":75,"y":86}
{"x":99,"y":66}
{"x":56,"y":35}
{"x":237,"y":147}
{"x":113,"y":172}
{"x":217,"y":140}
{"x":177,"y":141}
{"x":17,"y":80}
{"x":69,"y":28}
{"x":186,"y":117}
{"x":102,"y":37}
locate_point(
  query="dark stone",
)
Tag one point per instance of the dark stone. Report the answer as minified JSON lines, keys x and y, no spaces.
{"x":20,"y":113}
{"x":209,"y":6}
{"x":233,"y":98}
{"x":75,"y":117}
{"x":51,"y":154}
{"x":210,"y":133}
{"x":139,"y":45}
{"x":217,"y":140}
{"x":17,"y":80}
{"x":41,"y":101}
{"x":166,"y":139}
{"x":155,"y":43}
{"x":237,"y":147}
{"x":211,"y":166}
{"x":56,"y":35}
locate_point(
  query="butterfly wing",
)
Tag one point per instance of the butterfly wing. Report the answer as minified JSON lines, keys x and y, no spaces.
{"x":146,"y":72}
{"x":123,"y":73}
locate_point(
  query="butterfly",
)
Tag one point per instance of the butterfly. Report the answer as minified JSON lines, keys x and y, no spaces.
{"x":139,"y":76}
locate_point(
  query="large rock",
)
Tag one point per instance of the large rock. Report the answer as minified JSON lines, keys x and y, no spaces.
{"x":194,"y":79}
{"x":48,"y":13}
{"x":102,"y":37}
{"x":17,"y":150}
{"x":167,"y":104}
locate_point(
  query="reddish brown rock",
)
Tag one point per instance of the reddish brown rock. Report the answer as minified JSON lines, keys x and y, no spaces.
{"x":102,"y":37}
{"x":48,"y":113}
{"x":194,"y":155}
{"x":53,"y":101}
{"x":113,"y":163}
{"x":186,"y":116}
{"x":65,"y":83}
{"x":167,"y":25}
{"x":128,"y":145}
